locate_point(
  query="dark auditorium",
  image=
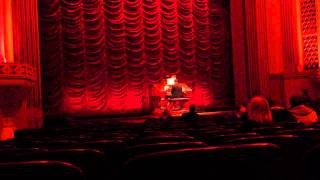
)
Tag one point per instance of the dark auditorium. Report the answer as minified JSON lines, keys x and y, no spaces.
{"x":160,"y":89}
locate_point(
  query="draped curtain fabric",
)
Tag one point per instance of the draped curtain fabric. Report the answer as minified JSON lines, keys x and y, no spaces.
{"x":103,"y":56}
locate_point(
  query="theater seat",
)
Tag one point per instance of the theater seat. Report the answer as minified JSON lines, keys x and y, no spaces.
{"x":292,"y":148}
{"x":291,"y":125}
{"x":140,"y":149}
{"x":310,"y":136}
{"x":113,"y":150}
{"x":92,"y":162}
{"x":7,"y":154}
{"x":165,"y":138}
{"x":311,"y":161}
{"x":222,"y":138}
{"x":267,"y":130}
{"x":106,"y":146}
{"x":40,"y":170}
{"x":291,"y":145}
{"x":258,"y":161}
{"x":282,"y":139}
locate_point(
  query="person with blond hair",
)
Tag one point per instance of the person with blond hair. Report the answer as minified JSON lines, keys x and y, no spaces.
{"x":259,"y":110}
{"x":258,"y":113}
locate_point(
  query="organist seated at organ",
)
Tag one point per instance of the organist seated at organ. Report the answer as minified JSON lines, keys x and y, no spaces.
{"x":176,"y":90}
{"x":176,"y":93}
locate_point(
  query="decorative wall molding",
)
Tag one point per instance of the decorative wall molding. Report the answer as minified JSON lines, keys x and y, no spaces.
{"x":17,"y":71}
{"x":309,"y":31}
{"x":17,"y":74}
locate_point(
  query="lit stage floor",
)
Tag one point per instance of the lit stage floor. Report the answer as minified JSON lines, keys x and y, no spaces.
{"x":180,"y":112}
{"x":143,"y":118}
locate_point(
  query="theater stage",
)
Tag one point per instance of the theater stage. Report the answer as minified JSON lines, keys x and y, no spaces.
{"x":208,"y":113}
{"x":175,"y":114}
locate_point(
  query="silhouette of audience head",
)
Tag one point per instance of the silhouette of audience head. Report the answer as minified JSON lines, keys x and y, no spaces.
{"x":270,"y":101}
{"x":166,"y":112}
{"x":192,"y":108}
{"x":259,"y":110}
{"x":242,"y":113}
{"x":305,"y":92}
{"x":191,"y":116}
{"x":296,"y":101}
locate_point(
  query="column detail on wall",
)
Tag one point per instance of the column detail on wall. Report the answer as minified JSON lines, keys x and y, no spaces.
{"x":6,"y":36}
{"x":20,"y":99}
{"x":289,"y":31}
{"x":239,"y":51}
{"x":257,"y":47}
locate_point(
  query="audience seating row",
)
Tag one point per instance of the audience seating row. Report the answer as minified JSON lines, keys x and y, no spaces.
{"x":212,"y":148}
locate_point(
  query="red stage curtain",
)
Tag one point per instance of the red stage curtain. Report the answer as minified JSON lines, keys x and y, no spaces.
{"x":102,"y":56}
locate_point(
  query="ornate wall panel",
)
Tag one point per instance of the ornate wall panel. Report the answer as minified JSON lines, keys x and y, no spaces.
{"x":309,"y":34}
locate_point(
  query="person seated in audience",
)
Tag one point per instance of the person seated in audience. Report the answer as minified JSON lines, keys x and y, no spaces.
{"x":166,"y":116}
{"x":279,"y":112}
{"x":242,"y":113}
{"x":192,"y":116}
{"x":317,"y":105}
{"x":301,"y":112}
{"x":306,"y":98}
{"x":258,"y":114}
{"x":166,"y":119}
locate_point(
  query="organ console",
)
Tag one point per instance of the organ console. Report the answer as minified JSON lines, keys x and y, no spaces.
{"x":172,"y":95}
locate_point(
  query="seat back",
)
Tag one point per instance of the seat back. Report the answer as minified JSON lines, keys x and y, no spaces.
{"x":7,"y":154}
{"x":222,"y":138}
{"x":40,"y":170}
{"x":267,"y":130}
{"x":165,"y":138}
{"x":113,"y":150}
{"x":249,"y":161}
{"x":311,"y":160}
{"x":311,"y":136}
{"x":92,"y":162}
{"x":291,"y":145}
{"x":140,"y":149}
